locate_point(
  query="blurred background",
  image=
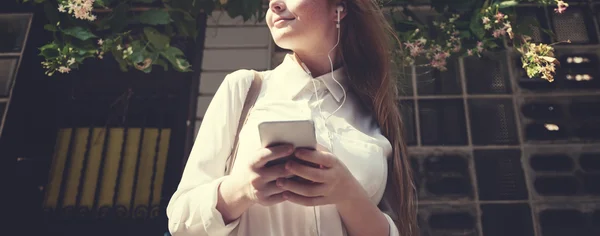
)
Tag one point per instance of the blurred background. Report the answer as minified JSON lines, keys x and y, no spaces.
{"x":495,"y":153}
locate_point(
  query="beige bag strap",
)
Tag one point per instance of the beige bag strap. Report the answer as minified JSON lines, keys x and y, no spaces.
{"x":251,"y":97}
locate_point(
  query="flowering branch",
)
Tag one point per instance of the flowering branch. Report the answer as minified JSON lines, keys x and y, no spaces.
{"x":487,"y":28}
{"x":135,"y":37}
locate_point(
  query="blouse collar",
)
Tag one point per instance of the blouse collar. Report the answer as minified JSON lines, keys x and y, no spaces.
{"x":294,"y":78}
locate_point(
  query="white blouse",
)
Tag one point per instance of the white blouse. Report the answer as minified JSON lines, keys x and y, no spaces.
{"x":288,"y":93}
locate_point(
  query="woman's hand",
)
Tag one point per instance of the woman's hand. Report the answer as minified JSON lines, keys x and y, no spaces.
{"x":260,"y":186}
{"x":330,"y":184}
{"x":253,"y":184}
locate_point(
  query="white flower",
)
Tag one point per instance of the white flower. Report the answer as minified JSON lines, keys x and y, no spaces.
{"x":485,"y":20}
{"x":64,"y":69}
{"x":119,"y":47}
{"x":71,"y":61}
{"x":100,"y":42}
{"x":80,"y":9}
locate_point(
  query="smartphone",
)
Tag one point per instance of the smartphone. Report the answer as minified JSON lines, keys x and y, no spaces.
{"x":300,"y":133}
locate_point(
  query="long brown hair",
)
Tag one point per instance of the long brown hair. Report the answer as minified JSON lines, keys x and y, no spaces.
{"x":366,"y":53}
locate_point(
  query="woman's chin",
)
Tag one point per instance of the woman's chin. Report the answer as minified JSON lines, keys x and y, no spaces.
{"x":284,"y":41}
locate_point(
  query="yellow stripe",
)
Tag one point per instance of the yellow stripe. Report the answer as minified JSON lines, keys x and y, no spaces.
{"x":93,"y":167}
{"x":57,"y":167}
{"x":77,"y":155}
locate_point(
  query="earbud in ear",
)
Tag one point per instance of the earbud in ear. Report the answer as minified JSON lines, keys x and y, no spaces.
{"x":339,"y":10}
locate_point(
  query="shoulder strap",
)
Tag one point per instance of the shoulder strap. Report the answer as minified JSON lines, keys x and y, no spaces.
{"x":251,"y":97}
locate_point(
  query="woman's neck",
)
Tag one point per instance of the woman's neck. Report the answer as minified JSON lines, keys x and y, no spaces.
{"x":317,"y":63}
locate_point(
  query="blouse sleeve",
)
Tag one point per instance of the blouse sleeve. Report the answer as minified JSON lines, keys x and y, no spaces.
{"x":192,"y":208}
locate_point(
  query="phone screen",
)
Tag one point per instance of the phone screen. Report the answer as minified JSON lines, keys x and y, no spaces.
{"x":300,"y":133}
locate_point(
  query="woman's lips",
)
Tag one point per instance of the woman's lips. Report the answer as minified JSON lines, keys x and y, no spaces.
{"x":282,"y":21}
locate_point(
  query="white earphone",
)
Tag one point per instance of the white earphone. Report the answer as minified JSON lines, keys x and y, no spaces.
{"x":340,"y":9}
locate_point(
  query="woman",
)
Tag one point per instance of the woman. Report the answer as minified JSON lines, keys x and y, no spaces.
{"x":340,"y":79}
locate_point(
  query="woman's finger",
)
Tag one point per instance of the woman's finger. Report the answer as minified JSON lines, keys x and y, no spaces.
{"x":307,"y":172}
{"x":272,"y":173}
{"x":271,"y":189}
{"x":264,"y":193}
{"x":305,"y":201}
{"x":303,"y":189}
{"x":272,"y":153}
{"x":318,"y":157}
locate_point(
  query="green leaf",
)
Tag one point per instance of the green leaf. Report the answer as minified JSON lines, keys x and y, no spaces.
{"x":176,"y":58}
{"x":490,"y":44}
{"x":100,"y":3}
{"x":465,"y":34}
{"x":51,"y":28}
{"x":507,"y":4}
{"x":49,"y":51}
{"x":138,"y":52}
{"x":184,"y":27}
{"x":147,"y":69}
{"x":79,"y":32}
{"x":549,"y":33}
{"x":526,"y":26}
{"x":206,"y":6}
{"x":476,"y":26}
{"x":162,"y":63}
{"x":157,"y":39}
{"x":118,"y":55}
{"x":251,"y":8}
{"x":155,"y":17}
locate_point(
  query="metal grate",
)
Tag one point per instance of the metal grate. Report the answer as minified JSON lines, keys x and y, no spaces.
{"x":416,"y":168}
{"x":407,"y":108}
{"x":561,"y":119}
{"x":566,"y":218}
{"x":506,"y":219}
{"x":434,"y":82}
{"x":578,"y":71}
{"x":575,"y":25}
{"x":556,"y":173}
{"x":532,"y":18}
{"x":585,"y":117}
{"x":543,"y":110}
{"x":487,"y":75}
{"x":445,"y":176}
{"x":500,"y":175}
{"x":493,"y":122}
{"x":460,"y":220}
{"x":404,"y":80}
{"x":442,"y":122}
